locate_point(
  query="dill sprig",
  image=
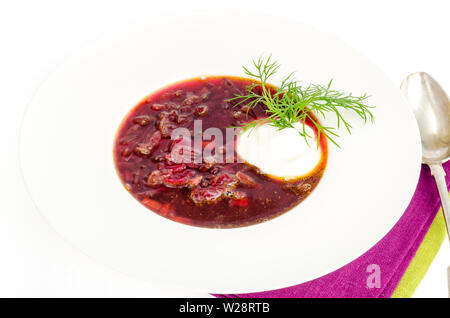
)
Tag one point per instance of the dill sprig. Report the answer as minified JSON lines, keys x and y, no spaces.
{"x":292,"y":102}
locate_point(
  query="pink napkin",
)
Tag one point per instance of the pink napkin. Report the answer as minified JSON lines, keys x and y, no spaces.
{"x":377,"y":272}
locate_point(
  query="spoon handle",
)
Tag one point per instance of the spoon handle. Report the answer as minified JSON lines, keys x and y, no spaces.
{"x":439,"y":175}
{"x":448,"y":278}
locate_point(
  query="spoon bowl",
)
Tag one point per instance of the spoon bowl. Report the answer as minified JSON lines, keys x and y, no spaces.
{"x":431,"y":107}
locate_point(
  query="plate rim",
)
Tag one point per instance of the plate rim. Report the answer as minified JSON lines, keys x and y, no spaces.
{"x":235,"y":290}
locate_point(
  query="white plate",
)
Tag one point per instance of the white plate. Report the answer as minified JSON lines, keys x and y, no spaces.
{"x":67,"y":140}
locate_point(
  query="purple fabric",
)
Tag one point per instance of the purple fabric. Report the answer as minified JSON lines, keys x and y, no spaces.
{"x":393,"y":253}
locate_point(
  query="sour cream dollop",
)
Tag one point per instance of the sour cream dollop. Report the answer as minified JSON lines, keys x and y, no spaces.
{"x":281,"y":153}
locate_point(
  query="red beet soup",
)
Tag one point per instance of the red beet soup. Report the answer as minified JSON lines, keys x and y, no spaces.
{"x":208,"y":193}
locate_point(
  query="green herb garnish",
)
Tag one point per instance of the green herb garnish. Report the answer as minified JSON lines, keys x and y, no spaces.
{"x":292,"y":103}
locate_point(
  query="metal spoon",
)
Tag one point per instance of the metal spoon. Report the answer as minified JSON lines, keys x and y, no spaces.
{"x":431,"y":107}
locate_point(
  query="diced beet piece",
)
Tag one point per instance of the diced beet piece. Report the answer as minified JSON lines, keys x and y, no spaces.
{"x":181,"y":151}
{"x":204,"y":93}
{"x":155,"y":140}
{"x":181,"y":219}
{"x":215,"y":170}
{"x":245,"y":108}
{"x":206,"y":195}
{"x":238,"y":195}
{"x":133,"y":129}
{"x":178,"y":93}
{"x":166,"y":128}
{"x":158,"y":106}
{"x":299,"y":189}
{"x":191,"y":99}
{"x":164,"y":210}
{"x":171,"y":159}
{"x":237,"y":114}
{"x":150,"y":193}
{"x":193,"y":165}
{"x":201,"y":110}
{"x":173,"y":106}
{"x":227,"y":82}
{"x":184,"y":119}
{"x":245,"y":179}
{"x":248,"y":111}
{"x":128,"y":175}
{"x":169,"y":115}
{"x":159,"y":158}
{"x":136,"y":178}
{"x":242,"y":203}
{"x":126,"y":152}
{"x":145,"y":149}
{"x":152,"y":204}
{"x":177,"y":168}
{"x":127,"y":139}
{"x":195,"y":181}
{"x":142,"y":120}
{"x":186,"y":109}
{"x":142,"y":150}
{"x":167,"y":122}
{"x":209,"y":162}
{"x":155,"y":178}
{"x":204,"y":183}
{"x":224,"y":179}
{"x":179,"y":180}
{"x":178,"y":142}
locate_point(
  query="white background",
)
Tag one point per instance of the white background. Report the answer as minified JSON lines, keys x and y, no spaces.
{"x":400,"y":36}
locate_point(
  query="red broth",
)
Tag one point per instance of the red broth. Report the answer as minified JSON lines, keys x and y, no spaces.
{"x":207,"y":194}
